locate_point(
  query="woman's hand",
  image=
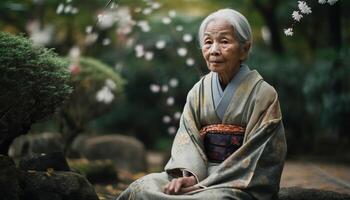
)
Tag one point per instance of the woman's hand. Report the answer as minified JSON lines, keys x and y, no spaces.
{"x":181,"y":185}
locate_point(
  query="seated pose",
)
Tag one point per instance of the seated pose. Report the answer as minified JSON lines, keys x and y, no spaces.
{"x":230,"y":143}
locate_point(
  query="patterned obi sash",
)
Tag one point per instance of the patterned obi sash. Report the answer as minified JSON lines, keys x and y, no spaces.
{"x":221,"y":140}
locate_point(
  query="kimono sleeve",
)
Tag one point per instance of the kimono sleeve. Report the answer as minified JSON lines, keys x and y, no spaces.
{"x":187,"y":149}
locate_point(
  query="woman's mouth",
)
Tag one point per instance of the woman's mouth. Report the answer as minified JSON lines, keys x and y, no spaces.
{"x":216,"y":61}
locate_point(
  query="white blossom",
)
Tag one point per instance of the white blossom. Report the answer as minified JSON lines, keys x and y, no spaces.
{"x":105,"y":95}
{"x":68,"y":9}
{"x":182,"y":51}
{"x":297,"y":16}
{"x":154,"y":88}
{"x":110,"y":84}
{"x":125,"y":21}
{"x":139,"y":50}
{"x":179,"y":28}
{"x":170,"y":101}
{"x":189,"y":61}
{"x":143,"y":24}
{"x":88,"y":29}
{"x":266,"y":34}
{"x":68,"y":1}
{"x":156,"y":5}
{"x":149,"y":55}
{"x":130,"y":42}
{"x":322,"y":1}
{"x":75,"y":10}
{"x":106,"y":20}
{"x":177,"y":115}
{"x":288,"y":32}
{"x":147,"y":11}
{"x":165,"y":88}
{"x":172,"y":13}
{"x":173,"y":82}
{"x":187,"y":37}
{"x":106,"y":41}
{"x":40,"y":36}
{"x":160,"y":44}
{"x":166,"y":119}
{"x":171,"y":130}
{"x":331,"y":2}
{"x":74,"y":52}
{"x":303,"y":7}
{"x":166,"y":20}
{"x":60,"y":8}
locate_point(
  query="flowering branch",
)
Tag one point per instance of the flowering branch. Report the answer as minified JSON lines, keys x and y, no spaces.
{"x":304,"y":9}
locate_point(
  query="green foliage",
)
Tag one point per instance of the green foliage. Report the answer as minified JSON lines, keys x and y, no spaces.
{"x":314,"y":97}
{"x":327,"y":92}
{"x":33,"y":79}
{"x":34,"y":82}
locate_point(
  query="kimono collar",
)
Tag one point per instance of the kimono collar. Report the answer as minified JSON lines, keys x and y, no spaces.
{"x":221,"y":98}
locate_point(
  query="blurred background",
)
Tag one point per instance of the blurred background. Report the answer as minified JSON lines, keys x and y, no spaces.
{"x":152,"y":46}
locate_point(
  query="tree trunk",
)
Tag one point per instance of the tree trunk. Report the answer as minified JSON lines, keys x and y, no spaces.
{"x":268,"y":13}
{"x":335,"y":28}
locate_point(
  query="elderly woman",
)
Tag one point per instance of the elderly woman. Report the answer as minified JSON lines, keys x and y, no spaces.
{"x":231,"y":142}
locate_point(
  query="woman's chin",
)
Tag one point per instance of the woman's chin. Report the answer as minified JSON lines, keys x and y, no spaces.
{"x":216,"y":68}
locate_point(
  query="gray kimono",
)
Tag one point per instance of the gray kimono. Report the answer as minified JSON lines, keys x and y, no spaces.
{"x":251,"y":172}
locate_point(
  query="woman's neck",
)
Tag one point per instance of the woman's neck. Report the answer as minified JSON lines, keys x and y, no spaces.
{"x":225,"y":77}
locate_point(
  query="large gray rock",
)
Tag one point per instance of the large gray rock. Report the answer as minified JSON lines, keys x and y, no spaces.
{"x":127,"y":152}
{"x":9,"y":181}
{"x":42,"y":162}
{"x":56,"y":185}
{"x":36,"y":144}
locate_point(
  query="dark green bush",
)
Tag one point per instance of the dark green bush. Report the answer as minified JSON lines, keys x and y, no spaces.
{"x":33,"y":83}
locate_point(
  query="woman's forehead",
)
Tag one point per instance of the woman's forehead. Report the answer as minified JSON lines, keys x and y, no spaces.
{"x":220,"y":27}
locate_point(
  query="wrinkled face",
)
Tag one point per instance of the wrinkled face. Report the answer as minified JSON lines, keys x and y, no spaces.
{"x":220,"y":49}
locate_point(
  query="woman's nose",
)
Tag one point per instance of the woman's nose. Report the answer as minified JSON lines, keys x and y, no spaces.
{"x":214,"y":50}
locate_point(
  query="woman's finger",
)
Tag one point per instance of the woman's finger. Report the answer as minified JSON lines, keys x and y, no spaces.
{"x":178,"y":185}
{"x":166,"y":188}
{"x":172,"y":186}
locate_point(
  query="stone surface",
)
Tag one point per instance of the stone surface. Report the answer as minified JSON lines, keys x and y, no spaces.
{"x":56,"y":186}
{"x":36,"y":144}
{"x":298,"y":193}
{"x":127,"y":152}
{"x":9,"y":183}
{"x":42,"y":162}
{"x":316,"y":175}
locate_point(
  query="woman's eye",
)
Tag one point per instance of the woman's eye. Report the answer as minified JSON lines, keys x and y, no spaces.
{"x":224,"y":42}
{"x":208,"y":42}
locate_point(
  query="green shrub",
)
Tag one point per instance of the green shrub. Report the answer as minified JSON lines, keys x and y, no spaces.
{"x":33,"y":83}
{"x":89,"y":78}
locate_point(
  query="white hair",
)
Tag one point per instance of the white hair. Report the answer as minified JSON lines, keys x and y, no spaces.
{"x":241,"y":26}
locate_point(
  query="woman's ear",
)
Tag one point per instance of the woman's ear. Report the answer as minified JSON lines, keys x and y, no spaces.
{"x":245,"y":50}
